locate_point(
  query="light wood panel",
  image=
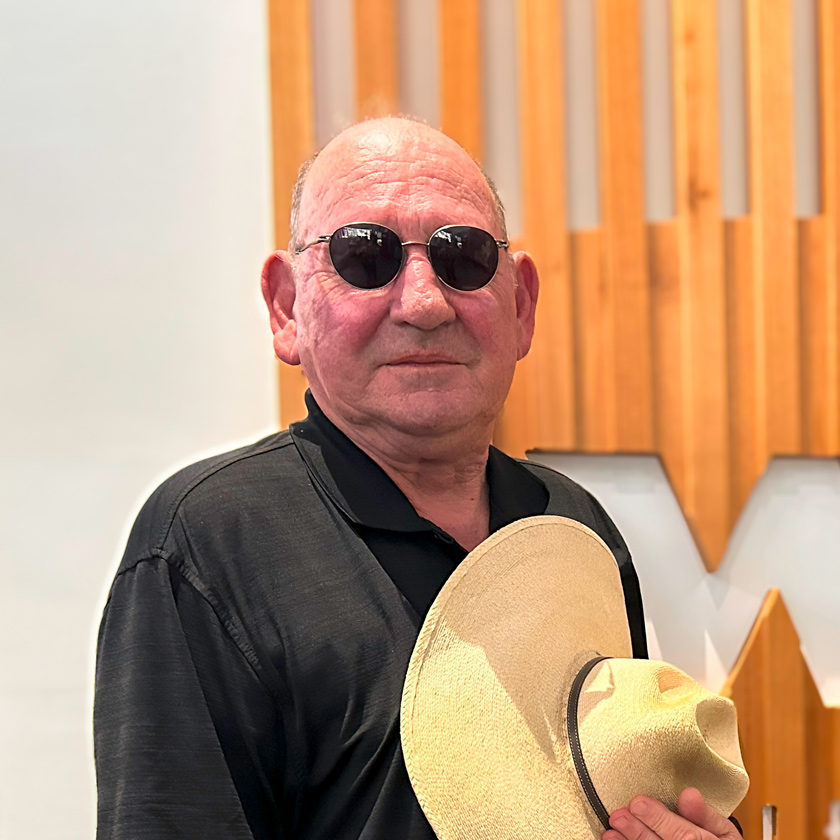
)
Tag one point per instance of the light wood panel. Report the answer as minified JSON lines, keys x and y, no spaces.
{"x":376,"y":58}
{"x":819,"y":331}
{"x":462,"y":116}
{"x":748,"y":456}
{"x":293,"y":136}
{"x":822,"y":751}
{"x":516,"y":430}
{"x":826,"y":439}
{"x":593,"y":333}
{"x":715,"y":344}
{"x":704,"y":396}
{"x":292,"y":108}
{"x":622,"y":202}
{"x":787,"y":735}
{"x":544,"y":188}
{"x":769,"y":87}
{"x":670,"y":387}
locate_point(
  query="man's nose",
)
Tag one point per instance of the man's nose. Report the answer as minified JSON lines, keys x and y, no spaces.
{"x":420,"y":298}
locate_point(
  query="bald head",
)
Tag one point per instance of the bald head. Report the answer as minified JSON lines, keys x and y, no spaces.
{"x":375,"y":145}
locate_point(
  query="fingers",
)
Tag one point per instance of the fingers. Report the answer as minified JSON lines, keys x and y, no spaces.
{"x":626,"y":826}
{"x":693,"y":807}
{"x":647,"y":819}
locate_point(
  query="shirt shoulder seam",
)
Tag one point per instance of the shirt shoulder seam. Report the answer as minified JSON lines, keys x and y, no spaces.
{"x":169,"y":518}
{"x":223,"y":617}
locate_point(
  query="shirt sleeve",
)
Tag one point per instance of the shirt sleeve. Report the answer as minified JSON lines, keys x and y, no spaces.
{"x":187,"y":739}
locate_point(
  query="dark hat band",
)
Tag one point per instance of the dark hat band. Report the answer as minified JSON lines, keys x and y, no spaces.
{"x":574,"y":742}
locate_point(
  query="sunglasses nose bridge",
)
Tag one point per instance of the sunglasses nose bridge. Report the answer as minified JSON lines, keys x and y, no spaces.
{"x":421,"y":297}
{"x":417,"y":260}
{"x":414,"y":250}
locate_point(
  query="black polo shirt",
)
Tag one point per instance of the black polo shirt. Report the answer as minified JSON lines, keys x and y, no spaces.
{"x":417,"y":555}
{"x":254,"y":645}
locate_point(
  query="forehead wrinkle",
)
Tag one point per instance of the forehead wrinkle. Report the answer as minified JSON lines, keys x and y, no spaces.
{"x":358,"y":172}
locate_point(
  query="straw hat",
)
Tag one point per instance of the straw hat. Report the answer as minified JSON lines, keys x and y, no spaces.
{"x":510,"y":651}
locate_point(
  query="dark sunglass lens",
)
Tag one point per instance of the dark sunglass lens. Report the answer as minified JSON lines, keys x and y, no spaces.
{"x":465,"y":258}
{"x":366,"y":256}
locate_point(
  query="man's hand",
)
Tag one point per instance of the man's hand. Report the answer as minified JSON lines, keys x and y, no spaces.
{"x":647,"y":819}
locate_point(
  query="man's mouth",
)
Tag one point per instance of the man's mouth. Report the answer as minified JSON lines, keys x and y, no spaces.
{"x":424,"y":359}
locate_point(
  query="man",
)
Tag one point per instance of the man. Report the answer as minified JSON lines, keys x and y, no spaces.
{"x":254,"y":645}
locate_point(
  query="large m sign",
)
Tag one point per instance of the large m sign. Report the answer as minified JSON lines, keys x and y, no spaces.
{"x":731,"y":630}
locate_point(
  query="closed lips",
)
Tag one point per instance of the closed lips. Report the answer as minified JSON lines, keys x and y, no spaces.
{"x":424,"y":360}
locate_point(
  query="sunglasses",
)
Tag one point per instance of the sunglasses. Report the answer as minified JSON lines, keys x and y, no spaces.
{"x":370,"y":256}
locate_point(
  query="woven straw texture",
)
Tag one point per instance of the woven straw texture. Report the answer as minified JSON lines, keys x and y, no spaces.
{"x":483,"y":719}
{"x":665,"y":732}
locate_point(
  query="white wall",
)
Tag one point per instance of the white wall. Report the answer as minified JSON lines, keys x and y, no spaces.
{"x":134,"y":215}
{"x":787,"y":537}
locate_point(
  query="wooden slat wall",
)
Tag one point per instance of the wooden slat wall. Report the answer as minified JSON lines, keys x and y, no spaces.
{"x":747,"y":463}
{"x":714,"y":343}
{"x":594,"y":397}
{"x":822,"y":420}
{"x":375,"y":29}
{"x":624,"y":264}
{"x":818,"y":330}
{"x":544,"y":188}
{"x":702,"y":351}
{"x":769,"y":91}
{"x":670,"y":379}
{"x":460,"y":78}
{"x":788,"y":738}
{"x":293,"y":127}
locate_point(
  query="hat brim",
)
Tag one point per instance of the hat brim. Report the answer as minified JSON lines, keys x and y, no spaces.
{"x":483,"y":707}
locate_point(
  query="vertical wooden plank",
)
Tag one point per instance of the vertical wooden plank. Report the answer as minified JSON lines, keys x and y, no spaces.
{"x":292,"y":111}
{"x":829,"y":75}
{"x":698,"y":206}
{"x":833,"y":740}
{"x":293,"y":140}
{"x":768,"y":689}
{"x":544,"y":199}
{"x":819,"y":331}
{"x":516,"y":430}
{"x":744,"y":687}
{"x":748,"y":454}
{"x":822,"y":752}
{"x":593,"y":332}
{"x":460,"y":51}
{"x":624,"y":235}
{"x":787,"y":765}
{"x":769,"y":83}
{"x":377,"y":93}
{"x":669,"y":379}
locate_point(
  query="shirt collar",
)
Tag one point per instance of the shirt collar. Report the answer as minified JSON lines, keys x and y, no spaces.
{"x":359,"y":487}
{"x":366,"y":495}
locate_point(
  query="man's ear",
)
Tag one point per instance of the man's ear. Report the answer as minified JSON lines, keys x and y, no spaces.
{"x":527,"y":290}
{"x":278,"y":289}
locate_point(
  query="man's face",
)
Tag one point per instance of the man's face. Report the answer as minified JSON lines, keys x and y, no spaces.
{"x":416,"y":356}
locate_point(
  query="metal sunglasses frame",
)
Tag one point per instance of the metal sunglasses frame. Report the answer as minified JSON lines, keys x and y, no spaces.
{"x":503,"y":244}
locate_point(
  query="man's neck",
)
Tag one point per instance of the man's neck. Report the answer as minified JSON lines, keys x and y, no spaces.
{"x":444,"y":477}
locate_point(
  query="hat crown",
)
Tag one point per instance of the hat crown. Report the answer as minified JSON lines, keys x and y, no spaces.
{"x":667,"y":733}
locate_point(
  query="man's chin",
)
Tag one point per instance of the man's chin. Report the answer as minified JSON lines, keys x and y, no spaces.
{"x":435,"y":416}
